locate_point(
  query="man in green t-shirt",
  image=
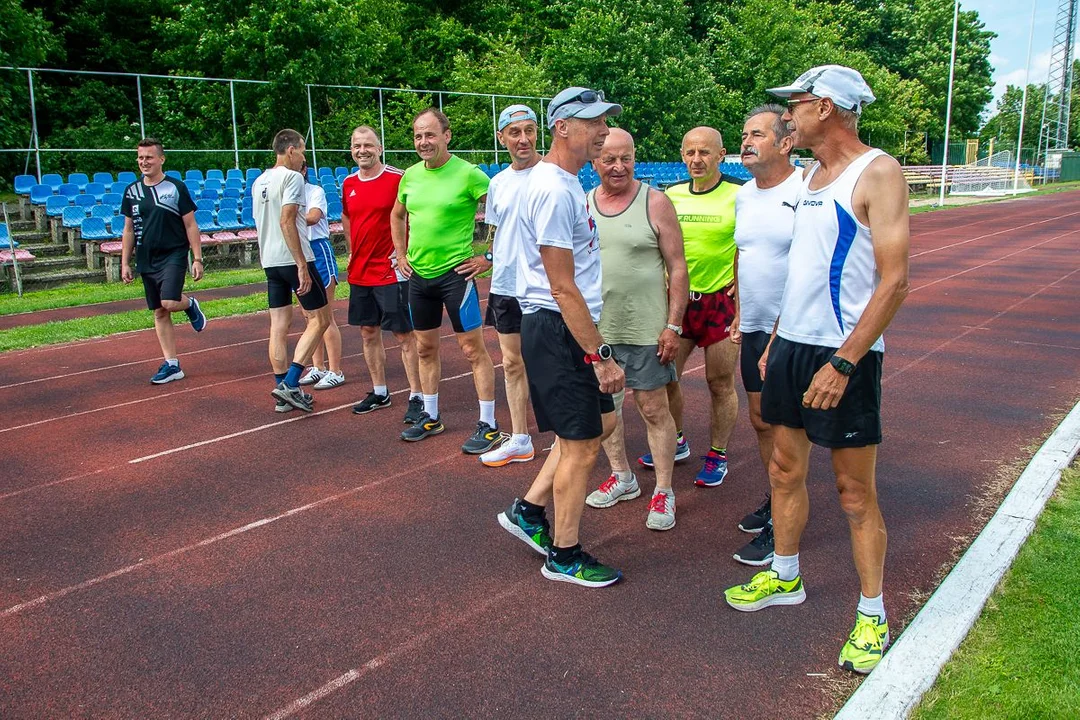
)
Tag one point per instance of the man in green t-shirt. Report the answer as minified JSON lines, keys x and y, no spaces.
{"x":432,"y":227}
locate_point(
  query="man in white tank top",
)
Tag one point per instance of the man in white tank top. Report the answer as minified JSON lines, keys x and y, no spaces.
{"x":847,"y":277}
{"x":764,"y":218}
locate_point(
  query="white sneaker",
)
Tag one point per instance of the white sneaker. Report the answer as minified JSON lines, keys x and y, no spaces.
{"x":612,"y":491}
{"x":661,"y":512}
{"x":312,"y":376}
{"x":330,"y":379}
{"x":509,"y":452}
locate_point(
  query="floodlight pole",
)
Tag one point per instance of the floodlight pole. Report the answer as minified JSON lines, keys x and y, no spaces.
{"x":1023,"y":102}
{"x":138,"y":93}
{"x":495,"y":129}
{"x":948,"y":105}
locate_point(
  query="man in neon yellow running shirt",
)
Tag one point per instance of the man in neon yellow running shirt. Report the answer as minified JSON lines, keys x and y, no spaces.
{"x":705,"y":206}
{"x":432,"y":227}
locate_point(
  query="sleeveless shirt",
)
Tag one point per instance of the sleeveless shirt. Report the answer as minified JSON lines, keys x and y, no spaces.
{"x":831,"y":268}
{"x":634,"y":282}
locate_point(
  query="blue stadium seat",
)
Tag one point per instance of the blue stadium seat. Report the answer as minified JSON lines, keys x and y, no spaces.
{"x":85,"y":202}
{"x":118,"y":187}
{"x":112,"y":198}
{"x":94,"y":228}
{"x":330,"y":188}
{"x":105,"y":212}
{"x":208,"y":194}
{"x":234,"y":174}
{"x":79,"y":179}
{"x":193,"y":188}
{"x":325,"y":171}
{"x":229,"y":203}
{"x":205,"y":220}
{"x":234,"y":182}
{"x":39,"y":194}
{"x":215,"y":175}
{"x":235,"y":193}
{"x":5,"y":238}
{"x":127,"y":177}
{"x":174,"y":174}
{"x":69,"y":190}
{"x":333,"y":211}
{"x":52,"y":180}
{"x":23,"y":183}
{"x":205,"y":205}
{"x":246,"y":218}
{"x":55,"y":204}
{"x":96,"y":189}
{"x":117,"y":225}
{"x":251,"y":176}
{"x":215,"y":184}
{"x":311,"y":176}
{"x":228,"y":219}
{"x":104,"y":178}
{"x":73,"y":216}
{"x":195,"y":175}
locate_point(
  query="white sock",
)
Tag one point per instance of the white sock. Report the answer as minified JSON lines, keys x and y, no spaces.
{"x":414,"y":395}
{"x":487,"y":412}
{"x":872,"y":606}
{"x":670,"y":492}
{"x":431,"y":405}
{"x":521,"y":439}
{"x":173,"y":361}
{"x":380,"y":390}
{"x":786,"y":566}
{"x":625,"y":477}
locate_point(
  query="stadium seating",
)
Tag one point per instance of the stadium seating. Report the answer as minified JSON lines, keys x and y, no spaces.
{"x":208,"y":194}
{"x":23,"y":184}
{"x":205,"y":205}
{"x":333,"y":211}
{"x":96,"y":189}
{"x":118,"y":187}
{"x":55,"y":204}
{"x":104,"y":178}
{"x":85,"y":202}
{"x":69,"y":190}
{"x":228,"y":219}
{"x":229,"y":203}
{"x":234,"y":174}
{"x":213,"y":183}
{"x":234,"y":183}
{"x":127,"y":177}
{"x":174,"y":174}
{"x":205,"y":220}
{"x":251,"y":176}
{"x":117,"y":225}
{"x":105,"y":212}
{"x":235,"y":193}
{"x":246,"y":217}
{"x":94,"y":228}
{"x":112,"y":198}
{"x":53,"y":180}
{"x":39,"y":194}
{"x":79,"y":180}
{"x":193,"y":187}
{"x":5,"y":237}
{"x":72,"y":216}
{"x":195,"y":175}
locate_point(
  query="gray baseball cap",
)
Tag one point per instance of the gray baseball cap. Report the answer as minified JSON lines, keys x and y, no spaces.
{"x":515,"y":113}
{"x":842,"y":85}
{"x":579,"y":102}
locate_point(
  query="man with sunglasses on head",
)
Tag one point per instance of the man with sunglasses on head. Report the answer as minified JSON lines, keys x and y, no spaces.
{"x":847,"y":277}
{"x":570,"y":367}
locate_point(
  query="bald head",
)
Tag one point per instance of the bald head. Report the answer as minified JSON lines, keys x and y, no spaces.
{"x":618,"y":140}
{"x":703,"y":151}
{"x":704,"y":135}
{"x":615,"y":166}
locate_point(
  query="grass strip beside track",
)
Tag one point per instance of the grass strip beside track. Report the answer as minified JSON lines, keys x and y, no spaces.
{"x":1020,"y":658}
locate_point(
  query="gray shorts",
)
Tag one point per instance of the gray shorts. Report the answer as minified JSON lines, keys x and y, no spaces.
{"x":642,"y":366}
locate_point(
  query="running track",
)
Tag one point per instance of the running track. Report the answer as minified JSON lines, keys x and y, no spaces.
{"x":183,"y":551}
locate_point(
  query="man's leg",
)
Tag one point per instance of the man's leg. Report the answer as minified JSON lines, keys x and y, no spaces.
{"x":855,"y":479}
{"x":374,"y":354}
{"x":660,"y":426}
{"x":788,"y":466}
{"x":429,"y":364}
{"x":763,"y":429}
{"x":720,"y":358}
{"x":615,"y":444}
{"x":332,"y":336}
{"x":517,"y":385}
{"x":317,"y":322}
{"x":410,"y":359}
{"x":675,"y":398}
{"x":280,"y":321}
{"x":570,"y":485}
{"x":163,"y":327}
{"x":472,"y":345}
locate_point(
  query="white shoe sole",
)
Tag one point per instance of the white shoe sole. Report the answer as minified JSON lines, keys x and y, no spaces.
{"x":795,"y":598}
{"x":500,"y":462}
{"x":562,"y":577}
{"x":649,"y":524}
{"x":752,"y":563}
{"x":287,"y":398}
{"x":330,"y":381}
{"x":599,"y":505}
{"x":752,"y":531}
{"x":306,"y":380}
{"x":517,"y":532}
{"x":169,"y":379}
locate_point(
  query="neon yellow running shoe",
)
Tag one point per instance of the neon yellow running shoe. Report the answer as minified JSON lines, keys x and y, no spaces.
{"x":765,"y":589}
{"x":862,"y":651}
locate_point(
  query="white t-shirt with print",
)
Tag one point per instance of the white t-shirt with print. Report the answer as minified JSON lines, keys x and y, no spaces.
{"x":316,"y":198}
{"x":505,"y":210}
{"x":277,"y":187}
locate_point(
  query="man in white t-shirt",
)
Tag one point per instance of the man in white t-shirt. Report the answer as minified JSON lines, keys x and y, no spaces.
{"x":517,"y":133}
{"x":570,"y":368}
{"x":764,"y":219}
{"x":278,"y":204}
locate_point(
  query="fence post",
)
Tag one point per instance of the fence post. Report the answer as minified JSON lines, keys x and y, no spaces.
{"x":543,"y":127}
{"x":382,"y":126}
{"x":138,"y":93}
{"x":311,"y":131}
{"x":33,"y":124}
{"x":495,"y":128}
{"x":235,"y":139}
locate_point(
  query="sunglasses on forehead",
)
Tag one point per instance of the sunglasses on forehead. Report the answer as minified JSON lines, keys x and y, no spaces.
{"x":588,"y":97}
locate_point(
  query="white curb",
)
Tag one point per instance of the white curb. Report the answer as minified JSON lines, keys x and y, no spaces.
{"x":910,"y":667}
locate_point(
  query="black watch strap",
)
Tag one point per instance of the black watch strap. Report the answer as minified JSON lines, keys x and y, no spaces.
{"x":844,"y":367}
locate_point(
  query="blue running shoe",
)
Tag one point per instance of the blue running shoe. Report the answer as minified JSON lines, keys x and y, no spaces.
{"x":713,"y":471}
{"x":167,"y":373}
{"x":682,"y":451}
{"x":536,"y":535}
{"x":196,"y":315}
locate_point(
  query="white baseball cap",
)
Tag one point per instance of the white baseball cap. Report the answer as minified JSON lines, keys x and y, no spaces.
{"x":842,"y":85}
{"x":579,"y":102}
{"x":515,"y":113}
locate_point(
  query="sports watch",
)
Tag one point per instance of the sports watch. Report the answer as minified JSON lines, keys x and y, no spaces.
{"x":603,"y":352}
{"x":844,"y":367}
{"x":489,"y":257}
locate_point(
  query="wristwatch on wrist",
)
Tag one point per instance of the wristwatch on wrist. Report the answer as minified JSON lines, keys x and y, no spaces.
{"x":603,"y":352}
{"x":677,"y":329}
{"x":844,"y":367}
{"x":489,"y":257}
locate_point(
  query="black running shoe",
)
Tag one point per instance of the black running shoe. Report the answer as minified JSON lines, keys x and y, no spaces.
{"x":416,"y":409}
{"x":758,"y":551}
{"x":485,"y":438}
{"x":371,"y":403}
{"x":422,"y":428}
{"x":536,"y":535}
{"x":293,"y":396}
{"x":755,"y":521}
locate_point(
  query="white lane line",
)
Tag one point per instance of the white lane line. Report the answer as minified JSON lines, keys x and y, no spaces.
{"x":61,"y":481}
{"x":910,"y":668}
{"x":157,"y":559}
{"x":987,"y":235}
{"x":1048,"y":345}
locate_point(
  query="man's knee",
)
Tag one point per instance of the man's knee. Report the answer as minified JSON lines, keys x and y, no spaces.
{"x":370,"y":333}
{"x":170,"y":306}
{"x":857,"y":498}
{"x":785,"y":470}
{"x":162,"y":312}
{"x":426,"y":346}
{"x":472,"y":345}
{"x":653,"y":405}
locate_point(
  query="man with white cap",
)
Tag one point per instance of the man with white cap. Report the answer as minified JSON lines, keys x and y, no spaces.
{"x":847,"y":277}
{"x":570,"y":368}
{"x":517,"y":133}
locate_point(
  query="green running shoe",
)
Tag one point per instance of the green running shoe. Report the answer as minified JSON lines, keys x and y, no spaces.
{"x":765,"y":589}
{"x":583,"y":570}
{"x":862,"y":651}
{"x":535,"y":535}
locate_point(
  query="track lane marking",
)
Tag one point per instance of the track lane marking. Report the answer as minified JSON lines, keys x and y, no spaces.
{"x":988,"y":235}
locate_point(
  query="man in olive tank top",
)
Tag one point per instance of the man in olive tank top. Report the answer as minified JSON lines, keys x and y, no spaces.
{"x":640,"y":242}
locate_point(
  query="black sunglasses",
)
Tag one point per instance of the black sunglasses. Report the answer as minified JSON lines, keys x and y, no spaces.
{"x":588,"y":97}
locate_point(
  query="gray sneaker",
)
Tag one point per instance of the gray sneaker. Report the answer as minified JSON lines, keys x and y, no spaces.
{"x":293,"y":396}
{"x":661,"y":512}
{"x":612,"y":491}
{"x":284,"y":407}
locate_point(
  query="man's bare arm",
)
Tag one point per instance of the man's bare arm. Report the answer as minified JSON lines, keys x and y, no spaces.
{"x":399,"y":233}
{"x":670,"y":239}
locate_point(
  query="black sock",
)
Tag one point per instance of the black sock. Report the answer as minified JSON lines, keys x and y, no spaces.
{"x":530,"y":511}
{"x":565,"y":555}
{"x":719,"y":451}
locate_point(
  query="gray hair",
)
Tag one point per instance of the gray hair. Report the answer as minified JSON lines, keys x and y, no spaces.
{"x":780,"y":128}
{"x":849,"y":118}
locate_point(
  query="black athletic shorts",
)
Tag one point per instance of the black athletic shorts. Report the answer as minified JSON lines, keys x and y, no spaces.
{"x":504,"y":314}
{"x":564,"y":390}
{"x":753,"y":346}
{"x":282,"y":281}
{"x":855,"y":422}
{"x":164,"y":284}
{"x":427,"y":297}
{"x":385,"y":306}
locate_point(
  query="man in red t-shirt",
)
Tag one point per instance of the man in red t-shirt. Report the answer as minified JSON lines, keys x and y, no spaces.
{"x":378,"y":295}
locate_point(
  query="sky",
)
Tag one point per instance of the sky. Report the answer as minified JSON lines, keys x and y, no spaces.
{"x":1011,"y":20}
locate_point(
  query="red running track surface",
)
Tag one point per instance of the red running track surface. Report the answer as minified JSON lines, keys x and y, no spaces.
{"x":184,"y":551}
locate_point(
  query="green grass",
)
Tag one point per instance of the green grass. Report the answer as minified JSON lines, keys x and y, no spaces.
{"x":1020,"y":659}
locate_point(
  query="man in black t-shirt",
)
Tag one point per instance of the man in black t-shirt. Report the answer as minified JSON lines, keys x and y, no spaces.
{"x":160,"y":229}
